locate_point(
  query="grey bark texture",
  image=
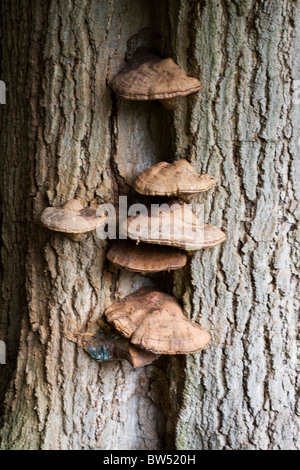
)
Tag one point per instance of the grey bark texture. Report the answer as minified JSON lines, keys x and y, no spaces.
{"x":63,"y":135}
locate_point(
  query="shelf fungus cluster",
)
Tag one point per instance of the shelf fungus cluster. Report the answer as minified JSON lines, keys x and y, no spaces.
{"x":162,"y":236}
{"x":148,"y":323}
{"x":150,"y":319}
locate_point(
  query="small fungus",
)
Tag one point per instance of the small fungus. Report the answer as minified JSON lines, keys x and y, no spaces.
{"x":176,"y":179}
{"x":72,"y":219}
{"x":145,"y":259}
{"x":154,"y":321}
{"x":148,"y":77}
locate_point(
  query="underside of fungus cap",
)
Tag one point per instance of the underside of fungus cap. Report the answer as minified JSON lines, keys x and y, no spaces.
{"x":148,"y":77}
{"x":173,"y":225}
{"x":71,"y":218}
{"x":155,"y":321}
{"x":172,"y":179}
{"x":145,"y":259}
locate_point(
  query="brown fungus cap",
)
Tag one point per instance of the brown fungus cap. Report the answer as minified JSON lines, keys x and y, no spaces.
{"x":173,"y":225}
{"x":106,"y":344}
{"x":145,"y":259}
{"x":148,"y":77}
{"x":155,"y":321}
{"x":71,"y":218}
{"x":172,"y":179}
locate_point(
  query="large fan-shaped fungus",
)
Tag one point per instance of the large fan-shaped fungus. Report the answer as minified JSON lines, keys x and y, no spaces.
{"x":145,"y":259}
{"x":174,"y":225}
{"x":72,"y":219}
{"x":148,"y":77}
{"x":155,"y":321}
{"x":176,"y":179}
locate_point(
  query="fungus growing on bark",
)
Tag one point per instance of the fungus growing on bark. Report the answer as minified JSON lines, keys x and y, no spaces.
{"x":148,"y":77}
{"x":72,"y":219}
{"x":174,"y":225}
{"x":172,"y":179}
{"x":154,"y":321}
{"x":106,"y":344}
{"x":145,"y":259}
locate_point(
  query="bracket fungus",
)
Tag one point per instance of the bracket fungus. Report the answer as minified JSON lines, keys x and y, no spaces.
{"x":72,"y":219}
{"x":145,"y":259}
{"x":149,"y":77}
{"x":154,"y":321}
{"x":173,"y":225}
{"x":173,"y":179}
{"x":108,"y":345}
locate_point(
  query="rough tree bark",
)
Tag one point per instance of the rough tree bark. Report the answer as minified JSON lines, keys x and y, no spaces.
{"x":65,"y":135}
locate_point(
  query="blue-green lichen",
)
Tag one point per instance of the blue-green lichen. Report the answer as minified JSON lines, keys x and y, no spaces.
{"x":99,"y":354}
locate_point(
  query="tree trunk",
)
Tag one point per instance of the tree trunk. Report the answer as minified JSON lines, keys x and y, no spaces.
{"x":64,"y":134}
